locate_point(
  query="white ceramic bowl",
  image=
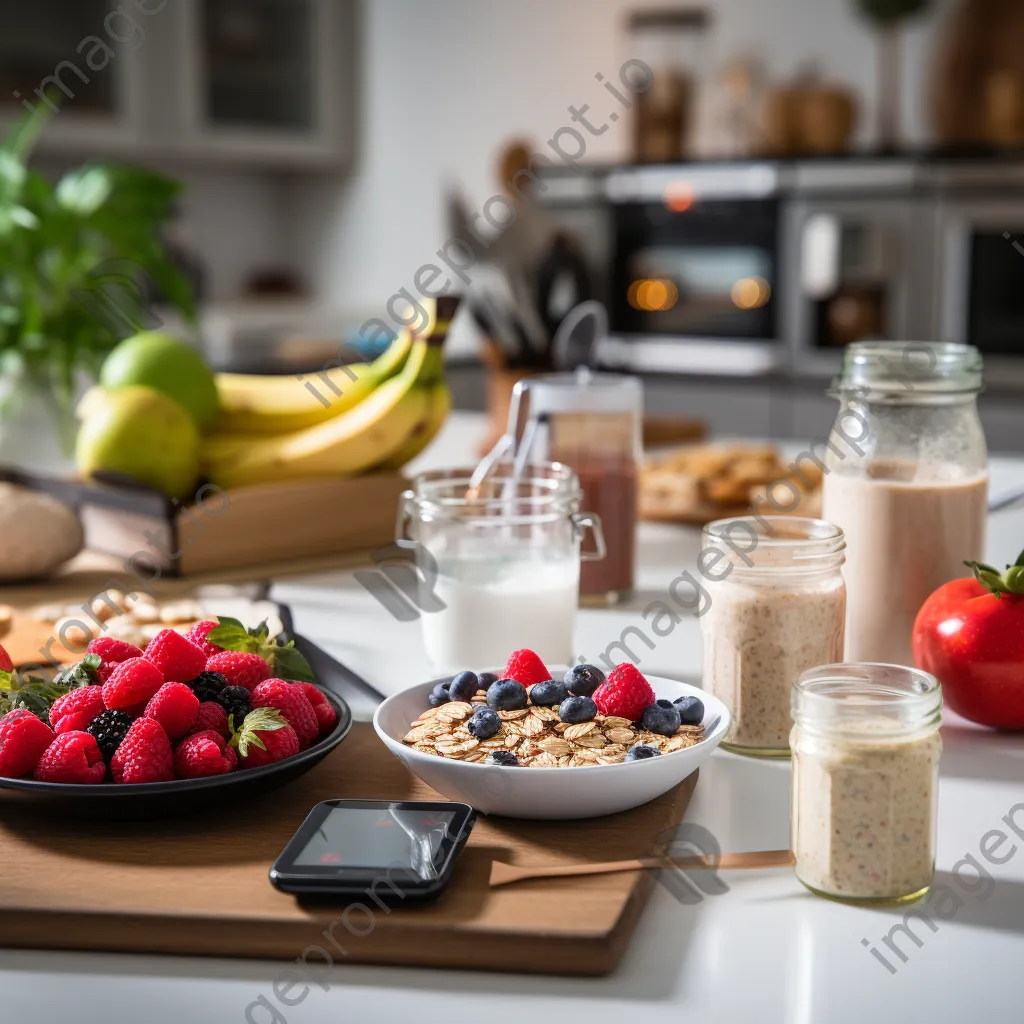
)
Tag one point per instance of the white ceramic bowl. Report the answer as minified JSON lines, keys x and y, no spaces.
{"x":583,"y":792}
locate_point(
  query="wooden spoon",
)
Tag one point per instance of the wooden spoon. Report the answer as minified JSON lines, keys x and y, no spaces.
{"x":504,"y":874}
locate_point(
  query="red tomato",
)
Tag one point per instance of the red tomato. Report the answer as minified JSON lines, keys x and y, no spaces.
{"x":973,"y":640}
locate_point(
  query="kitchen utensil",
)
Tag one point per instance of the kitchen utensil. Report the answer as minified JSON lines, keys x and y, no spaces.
{"x":505,"y":874}
{"x":576,"y":339}
{"x":186,"y":796}
{"x":551,"y":793}
{"x":200,"y":888}
{"x":562,"y":281}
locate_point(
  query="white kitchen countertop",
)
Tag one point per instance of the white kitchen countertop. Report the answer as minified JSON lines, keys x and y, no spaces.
{"x":765,"y":950}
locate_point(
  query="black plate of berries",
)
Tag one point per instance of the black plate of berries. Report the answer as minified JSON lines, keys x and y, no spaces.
{"x":222,"y":712}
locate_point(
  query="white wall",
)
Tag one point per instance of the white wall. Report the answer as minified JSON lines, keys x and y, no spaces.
{"x":444,"y":82}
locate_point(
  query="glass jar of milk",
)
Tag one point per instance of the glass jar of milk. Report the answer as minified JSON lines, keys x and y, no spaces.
{"x":907,"y":482}
{"x":500,"y":562}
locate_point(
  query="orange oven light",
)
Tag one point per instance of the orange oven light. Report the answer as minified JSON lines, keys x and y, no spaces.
{"x":679,"y":196}
{"x":652,"y":296}
{"x":750,"y":293}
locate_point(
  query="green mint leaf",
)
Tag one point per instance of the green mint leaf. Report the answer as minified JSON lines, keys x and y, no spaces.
{"x":260,"y":632}
{"x":231,"y":635}
{"x":288,"y":663}
{"x":82,"y":673}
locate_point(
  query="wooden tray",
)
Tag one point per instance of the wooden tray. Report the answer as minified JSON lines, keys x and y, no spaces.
{"x":199,"y":885}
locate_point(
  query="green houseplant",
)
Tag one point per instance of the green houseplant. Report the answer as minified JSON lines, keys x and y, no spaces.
{"x":888,"y":17}
{"x":55,"y":241}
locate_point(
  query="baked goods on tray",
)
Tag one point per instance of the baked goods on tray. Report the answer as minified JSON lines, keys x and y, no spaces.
{"x":706,"y":482}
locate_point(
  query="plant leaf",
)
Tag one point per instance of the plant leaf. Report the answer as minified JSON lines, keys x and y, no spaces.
{"x":231,"y":635}
{"x":291,"y":664}
{"x":82,"y":673}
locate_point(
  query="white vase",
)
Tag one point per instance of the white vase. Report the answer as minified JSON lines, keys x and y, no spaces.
{"x":29,"y":434}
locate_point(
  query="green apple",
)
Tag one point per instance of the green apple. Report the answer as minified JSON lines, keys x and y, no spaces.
{"x":159,"y":361}
{"x":144,"y":435}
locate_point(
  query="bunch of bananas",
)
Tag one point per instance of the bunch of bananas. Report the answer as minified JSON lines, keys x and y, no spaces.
{"x":377,"y":415}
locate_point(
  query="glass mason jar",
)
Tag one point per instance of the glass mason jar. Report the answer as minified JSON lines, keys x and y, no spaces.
{"x":907,"y":481}
{"x":592,"y":422}
{"x":775,"y":611}
{"x":866,"y":750}
{"x":499,"y":564}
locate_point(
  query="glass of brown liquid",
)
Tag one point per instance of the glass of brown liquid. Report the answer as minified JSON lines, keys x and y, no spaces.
{"x":591,"y":422}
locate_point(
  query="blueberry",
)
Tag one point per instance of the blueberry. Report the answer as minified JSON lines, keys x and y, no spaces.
{"x":506,"y":695}
{"x":661,"y":717}
{"x":577,"y":709}
{"x":483,"y":723}
{"x":484,"y":679}
{"x":549,"y":693}
{"x":439,"y":695}
{"x":691,"y":710}
{"x":583,"y":680}
{"x":463,"y":687}
{"x":641,"y":752}
{"x":503,"y":757}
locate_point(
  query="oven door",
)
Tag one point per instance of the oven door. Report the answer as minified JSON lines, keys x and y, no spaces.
{"x":695,"y":275}
{"x":981,"y":279}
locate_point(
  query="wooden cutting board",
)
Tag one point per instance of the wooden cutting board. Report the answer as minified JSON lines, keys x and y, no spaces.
{"x":199,"y":885}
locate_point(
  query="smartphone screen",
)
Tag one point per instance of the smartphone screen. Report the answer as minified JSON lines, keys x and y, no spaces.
{"x":396,"y":836}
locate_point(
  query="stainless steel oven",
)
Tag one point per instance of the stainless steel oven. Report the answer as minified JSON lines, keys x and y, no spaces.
{"x":979,"y":278}
{"x":696,"y":258}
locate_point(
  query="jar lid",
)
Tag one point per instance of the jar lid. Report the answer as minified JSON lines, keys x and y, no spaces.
{"x":909,"y":366}
{"x":584,"y":391}
{"x":867,"y":700}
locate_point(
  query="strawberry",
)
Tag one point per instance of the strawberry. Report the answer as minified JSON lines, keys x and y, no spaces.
{"x":197,"y":634}
{"x":625,"y":693}
{"x":284,"y":660}
{"x":75,"y":710}
{"x":326,"y":716}
{"x":132,"y":683}
{"x":293,"y":704}
{"x":72,"y":757}
{"x":175,"y":707}
{"x":525,"y":667}
{"x":6,"y":665}
{"x":202,"y":754}
{"x":144,"y":754}
{"x":177,"y":658}
{"x":211,"y":717}
{"x":264,"y":737}
{"x":240,"y":668}
{"x":23,"y":738}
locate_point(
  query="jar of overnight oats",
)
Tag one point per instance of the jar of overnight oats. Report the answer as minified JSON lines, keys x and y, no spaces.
{"x":778,"y":604}
{"x":866,"y":749}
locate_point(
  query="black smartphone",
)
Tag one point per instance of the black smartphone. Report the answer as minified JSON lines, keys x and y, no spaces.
{"x":392,"y":851}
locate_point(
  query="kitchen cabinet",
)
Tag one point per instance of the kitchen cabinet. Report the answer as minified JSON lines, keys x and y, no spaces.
{"x":80,"y":58}
{"x":258,"y":82}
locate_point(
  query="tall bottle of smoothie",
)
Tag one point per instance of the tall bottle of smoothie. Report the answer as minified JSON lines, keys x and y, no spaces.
{"x":907,"y":482}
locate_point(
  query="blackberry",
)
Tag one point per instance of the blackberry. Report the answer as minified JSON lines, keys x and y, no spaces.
{"x":109,"y":728}
{"x":235,"y":700}
{"x":207,"y":685}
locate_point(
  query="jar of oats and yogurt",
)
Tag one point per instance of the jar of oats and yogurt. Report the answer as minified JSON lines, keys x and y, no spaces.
{"x":866,"y":749}
{"x":778,"y":605}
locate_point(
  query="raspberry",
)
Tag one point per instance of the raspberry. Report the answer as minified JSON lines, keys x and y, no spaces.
{"x":23,"y":738}
{"x":240,"y":668}
{"x":72,"y":757}
{"x":113,"y":650}
{"x":264,"y":738}
{"x":204,"y":753}
{"x":625,"y":693}
{"x":75,"y":710}
{"x":144,"y":755}
{"x":525,"y":667}
{"x":326,"y":716}
{"x":211,"y":717}
{"x":197,"y":634}
{"x":175,"y":707}
{"x":179,"y":659}
{"x":294,"y":706}
{"x":133,"y":682}
{"x":6,"y":665}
